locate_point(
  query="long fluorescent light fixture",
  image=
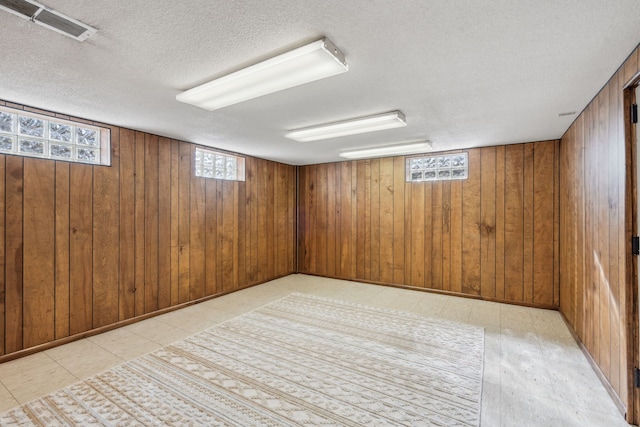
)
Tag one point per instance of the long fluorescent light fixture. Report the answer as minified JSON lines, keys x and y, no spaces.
{"x":393,"y":119}
{"x":389,"y":150}
{"x":305,"y":64}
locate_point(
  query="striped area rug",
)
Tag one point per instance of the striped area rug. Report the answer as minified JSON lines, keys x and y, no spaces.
{"x":299,"y":361}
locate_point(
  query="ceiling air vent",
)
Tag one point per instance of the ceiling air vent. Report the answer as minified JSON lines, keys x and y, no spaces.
{"x":42,"y":15}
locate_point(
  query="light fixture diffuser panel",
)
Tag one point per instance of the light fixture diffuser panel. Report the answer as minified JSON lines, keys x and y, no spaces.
{"x":305,"y":64}
{"x":388,"y":150}
{"x":393,"y":119}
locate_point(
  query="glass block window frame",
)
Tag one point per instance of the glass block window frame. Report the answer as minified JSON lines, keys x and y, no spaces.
{"x":216,"y":165}
{"x":443,"y":167}
{"x":23,"y":133}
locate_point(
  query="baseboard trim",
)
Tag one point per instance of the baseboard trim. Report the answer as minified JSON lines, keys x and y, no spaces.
{"x":603,"y":379}
{"x":435,"y":291}
{"x":51,"y":344}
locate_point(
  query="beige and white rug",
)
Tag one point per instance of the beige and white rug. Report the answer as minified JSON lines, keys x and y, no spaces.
{"x":299,"y":361}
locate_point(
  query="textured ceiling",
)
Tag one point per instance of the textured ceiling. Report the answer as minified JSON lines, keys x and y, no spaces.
{"x":466,"y":73}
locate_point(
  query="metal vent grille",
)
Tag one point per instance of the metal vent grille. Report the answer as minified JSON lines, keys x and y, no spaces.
{"x":42,"y":15}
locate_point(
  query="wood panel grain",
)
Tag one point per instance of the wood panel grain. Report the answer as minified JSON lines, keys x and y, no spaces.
{"x":386,"y":220}
{"x":184,"y":216}
{"x":514,"y":223}
{"x":471,"y":197}
{"x":164,"y":223}
{"x":62,"y":250}
{"x":465,"y":236}
{"x":39,"y":252}
{"x":106,"y":235}
{"x":595,"y":207}
{"x":81,"y":248}
{"x":14,"y":253}
{"x":543,"y":231}
{"x":398,"y":221}
{"x":175,"y":222}
{"x":139,"y":226}
{"x":197,"y":242}
{"x":374,"y":224}
{"x":127,"y":248}
{"x":488,"y":222}
{"x":86,"y":246}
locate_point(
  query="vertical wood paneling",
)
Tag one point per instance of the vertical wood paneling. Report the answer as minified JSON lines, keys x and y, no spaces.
{"x":331,"y":225}
{"x":175,"y":222}
{"x":345,"y":220}
{"x":164,"y":224}
{"x":528,"y":198}
{"x":471,"y":226}
{"x":434,"y":238}
{"x":446,"y":236}
{"x":211,"y":227}
{"x":270,"y":231}
{"x":360,"y":217}
{"x":253,"y":175}
{"x":197,"y":245}
{"x":500,"y":213}
{"x":514,"y":223}
{"x":139,"y":226}
{"x":127,"y":284}
{"x":488,"y":223}
{"x":151,"y":197}
{"x":61,"y":250}
{"x":594,"y":208}
{"x":184,"y":230}
{"x":322,"y":221}
{"x":386,"y":220}
{"x":374,"y":225}
{"x":398,"y":220}
{"x":87,"y":246}
{"x":14,"y":253}
{"x":39,"y":252}
{"x":458,"y":236}
{"x":106,"y":235}
{"x":416,"y":234}
{"x":81,"y":248}
{"x":543,"y":231}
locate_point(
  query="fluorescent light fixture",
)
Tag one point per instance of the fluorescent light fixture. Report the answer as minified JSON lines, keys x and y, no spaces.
{"x":305,"y":64}
{"x":393,"y":119}
{"x":388,"y":150}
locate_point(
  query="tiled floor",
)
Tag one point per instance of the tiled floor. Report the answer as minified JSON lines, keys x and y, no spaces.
{"x":534,"y":375}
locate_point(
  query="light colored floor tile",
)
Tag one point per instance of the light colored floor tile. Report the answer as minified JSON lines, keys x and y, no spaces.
{"x":83,"y":358}
{"x":156,"y":331}
{"x":534,"y":372}
{"x":39,"y":376}
{"x":572,"y":416}
{"x":490,"y":412}
{"x":6,"y":399}
{"x":523,"y":409}
{"x":124,"y":344}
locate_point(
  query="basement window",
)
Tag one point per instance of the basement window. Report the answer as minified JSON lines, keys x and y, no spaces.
{"x":23,"y":133}
{"x":437,"y":168}
{"x":216,"y":165}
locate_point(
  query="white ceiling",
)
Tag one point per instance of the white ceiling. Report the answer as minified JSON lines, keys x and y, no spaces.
{"x":466,"y":73}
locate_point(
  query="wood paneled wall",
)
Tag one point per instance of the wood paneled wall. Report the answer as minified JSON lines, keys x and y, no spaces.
{"x":494,"y":235}
{"x":593,"y":245}
{"x":87,"y":246}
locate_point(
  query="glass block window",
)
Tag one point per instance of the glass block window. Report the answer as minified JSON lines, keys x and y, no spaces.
{"x":29,"y":134}
{"x":212,"y":164}
{"x":437,"y":168}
